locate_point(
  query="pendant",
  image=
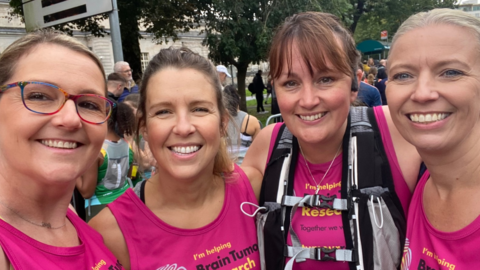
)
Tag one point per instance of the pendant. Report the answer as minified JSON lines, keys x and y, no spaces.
{"x":46,"y":225}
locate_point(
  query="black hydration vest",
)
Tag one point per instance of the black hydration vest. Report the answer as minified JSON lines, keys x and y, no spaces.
{"x":373,"y":219}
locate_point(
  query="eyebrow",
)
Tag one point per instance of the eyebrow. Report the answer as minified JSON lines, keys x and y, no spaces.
{"x":450,"y":62}
{"x":289,"y":75}
{"x":168,"y":103}
{"x":197,"y":102}
{"x":295,"y":75}
{"x":446,"y":62}
{"x":82,"y":91}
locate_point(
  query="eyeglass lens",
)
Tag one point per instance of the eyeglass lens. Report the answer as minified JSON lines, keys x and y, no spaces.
{"x":47,"y":99}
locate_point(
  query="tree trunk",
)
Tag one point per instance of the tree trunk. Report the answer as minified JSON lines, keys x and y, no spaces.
{"x":357,"y":14}
{"x":129,"y":15}
{"x":241,"y":74}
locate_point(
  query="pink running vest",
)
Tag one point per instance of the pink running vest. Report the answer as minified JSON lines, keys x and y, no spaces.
{"x":427,"y":248}
{"x":323,"y":227}
{"x":228,"y":243}
{"x":25,"y":253}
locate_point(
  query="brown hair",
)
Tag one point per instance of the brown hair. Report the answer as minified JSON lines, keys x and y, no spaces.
{"x":25,"y":44}
{"x":184,"y":58}
{"x":316,"y":36}
{"x":122,"y":120}
{"x":231,"y":99}
{"x":371,"y":79}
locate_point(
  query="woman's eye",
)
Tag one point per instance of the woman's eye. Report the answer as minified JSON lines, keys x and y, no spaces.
{"x":38,"y":96}
{"x":402,"y":76}
{"x":325,"y":80}
{"x":161,"y":112}
{"x":452,"y":73}
{"x":88,"y":105}
{"x":200,"y":110}
{"x":290,"y":84}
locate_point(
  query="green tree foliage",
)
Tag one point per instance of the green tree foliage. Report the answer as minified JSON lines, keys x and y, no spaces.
{"x":370,"y":17}
{"x":163,"y":18}
{"x":239,"y":32}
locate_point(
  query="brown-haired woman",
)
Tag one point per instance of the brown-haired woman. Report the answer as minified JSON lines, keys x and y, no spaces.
{"x":189,"y":214}
{"x":243,"y":127}
{"x":53,"y":112}
{"x":313,"y":66}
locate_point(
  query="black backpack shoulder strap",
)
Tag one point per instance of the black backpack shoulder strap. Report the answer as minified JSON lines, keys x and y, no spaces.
{"x":344,"y":189}
{"x":383,"y":165}
{"x":371,"y":165}
{"x":281,"y":148}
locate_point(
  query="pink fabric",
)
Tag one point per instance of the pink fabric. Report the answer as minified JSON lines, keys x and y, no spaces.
{"x":324,"y":226}
{"x":429,"y":248}
{"x":229,"y":242}
{"x":316,"y":226}
{"x":401,"y":187}
{"x":24,"y":252}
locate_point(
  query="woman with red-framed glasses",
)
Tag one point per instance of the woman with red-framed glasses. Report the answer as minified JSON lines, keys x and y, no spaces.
{"x":52,"y":125}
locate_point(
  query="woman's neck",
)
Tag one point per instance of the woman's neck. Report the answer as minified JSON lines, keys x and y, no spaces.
{"x":112,"y":136}
{"x":183,"y":193}
{"x":457,"y":168}
{"x":325,"y":151}
{"x":33,"y":200}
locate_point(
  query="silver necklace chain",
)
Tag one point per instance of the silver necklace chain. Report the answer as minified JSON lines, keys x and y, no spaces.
{"x":46,"y":225}
{"x":308,"y":168}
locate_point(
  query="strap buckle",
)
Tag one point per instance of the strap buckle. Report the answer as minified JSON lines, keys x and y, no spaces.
{"x":326,"y":252}
{"x":321,"y":201}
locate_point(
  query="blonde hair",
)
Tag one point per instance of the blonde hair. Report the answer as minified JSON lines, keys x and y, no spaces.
{"x":438,"y":16}
{"x":24,"y":45}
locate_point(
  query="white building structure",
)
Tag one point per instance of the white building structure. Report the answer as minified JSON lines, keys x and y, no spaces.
{"x":470,"y":6}
{"x":11,"y":29}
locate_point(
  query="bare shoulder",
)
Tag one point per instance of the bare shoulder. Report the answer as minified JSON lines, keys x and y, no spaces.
{"x":256,"y":158}
{"x":106,"y":224}
{"x":407,"y":155}
{"x":4,"y":262}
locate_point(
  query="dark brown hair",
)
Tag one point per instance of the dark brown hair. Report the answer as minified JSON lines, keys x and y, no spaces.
{"x":231,"y":99}
{"x":122,"y":119}
{"x":316,"y":36}
{"x":184,"y":58}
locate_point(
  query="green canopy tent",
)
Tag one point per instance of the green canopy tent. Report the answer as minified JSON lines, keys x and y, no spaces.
{"x":370,"y":46}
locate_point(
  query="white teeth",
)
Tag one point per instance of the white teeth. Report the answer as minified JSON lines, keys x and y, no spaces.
{"x":312,"y":117}
{"x":59,"y":144}
{"x":428,"y":118}
{"x":185,"y":150}
{"x":421,"y":118}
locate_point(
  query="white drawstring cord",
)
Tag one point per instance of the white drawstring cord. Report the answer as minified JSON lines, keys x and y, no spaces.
{"x":252,"y":204}
{"x":373,"y":210}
